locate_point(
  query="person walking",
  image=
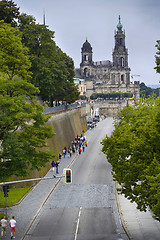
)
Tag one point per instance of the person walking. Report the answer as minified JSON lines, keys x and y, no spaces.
{"x":64,"y":152}
{"x":59,"y":155}
{"x":53,"y":165}
{"x":12,"y":224}
{"x":83,"y":146}
{"x":3,"y":226}
{"x":86,"y":143}
{"x":57,"y":163}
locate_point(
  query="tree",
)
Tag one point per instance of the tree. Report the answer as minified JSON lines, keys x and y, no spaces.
{"x":134,"y":153}
{"x":13,"y":56}
{"x":157,"y":56}
{"x":52,"y":69}
{"x":148,"y":91}
{"x":9,"y":12}
{"x":23,"y":129}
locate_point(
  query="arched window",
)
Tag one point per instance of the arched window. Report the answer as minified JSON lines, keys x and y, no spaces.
{"x":85,"y":57}
{"x":122,"y":78}
{"x":122,"y":62}
{"x":86,"y":73}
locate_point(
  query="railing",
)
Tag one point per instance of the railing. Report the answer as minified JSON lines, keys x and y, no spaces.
{"x":62,"y":107}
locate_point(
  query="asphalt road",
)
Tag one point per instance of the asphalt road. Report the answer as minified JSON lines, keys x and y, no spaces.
{"x":87,"y":208}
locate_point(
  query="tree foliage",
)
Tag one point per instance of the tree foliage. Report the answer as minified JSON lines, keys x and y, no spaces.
{"x":148,"y":91}
{"x":133,"y":151}
{"x":13,"y":55}
{"x":53,"y":70}
{"x":9,"y":12}
{"x":157,"y":57}
{"x":23,"y":129}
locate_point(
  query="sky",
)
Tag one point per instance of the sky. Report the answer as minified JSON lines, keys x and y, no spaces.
{"x":74,"y":20}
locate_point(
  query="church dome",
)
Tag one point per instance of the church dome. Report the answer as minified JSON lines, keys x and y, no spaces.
{"x":119,"y":25}
{"x":86,"y":47}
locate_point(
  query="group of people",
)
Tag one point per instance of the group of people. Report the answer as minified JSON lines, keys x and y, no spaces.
{"x":55,"y":165}
{"x":12,"y":224}
{"x":78,"y":145}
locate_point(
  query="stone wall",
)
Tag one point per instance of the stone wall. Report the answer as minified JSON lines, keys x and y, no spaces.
{"x":67,"y":124}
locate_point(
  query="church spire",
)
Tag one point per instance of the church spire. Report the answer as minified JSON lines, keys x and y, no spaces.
{"x":119,"y":25}
{"x":44,"y":18}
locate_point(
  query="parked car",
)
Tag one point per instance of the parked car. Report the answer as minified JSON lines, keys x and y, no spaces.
{"x":90,"y":120}
{"x":96,"y":118}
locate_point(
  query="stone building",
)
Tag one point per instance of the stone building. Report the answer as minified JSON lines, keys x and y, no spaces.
{"x":107,"y":76}
{"x":81,"y":85}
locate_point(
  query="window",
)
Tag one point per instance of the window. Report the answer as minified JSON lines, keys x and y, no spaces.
{"x":122,"y":78}
{"x":122,"y":62}
{"x":86,"y":74}
{"x":85,"y":57}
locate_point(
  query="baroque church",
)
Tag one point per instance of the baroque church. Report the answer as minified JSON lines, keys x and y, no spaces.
{"x":107,"y":76}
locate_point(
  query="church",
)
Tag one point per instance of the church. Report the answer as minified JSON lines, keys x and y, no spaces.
{"x":107,"y":76}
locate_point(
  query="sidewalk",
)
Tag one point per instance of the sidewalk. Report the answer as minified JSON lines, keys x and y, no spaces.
{"x":26,"y":212}
{"x":139,"y":225}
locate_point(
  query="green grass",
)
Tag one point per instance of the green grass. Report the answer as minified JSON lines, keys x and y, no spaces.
{"x":14,"y":196}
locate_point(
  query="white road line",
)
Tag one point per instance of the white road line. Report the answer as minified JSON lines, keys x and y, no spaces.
{"x":79,"y":214}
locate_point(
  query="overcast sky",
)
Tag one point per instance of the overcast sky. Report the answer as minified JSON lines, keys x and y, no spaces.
{"x":74,"y":20}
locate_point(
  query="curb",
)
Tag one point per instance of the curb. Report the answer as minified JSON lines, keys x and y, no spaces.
{"x":121,"y":215}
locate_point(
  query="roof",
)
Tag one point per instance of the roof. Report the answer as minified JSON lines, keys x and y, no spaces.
{"x":86,"y":46}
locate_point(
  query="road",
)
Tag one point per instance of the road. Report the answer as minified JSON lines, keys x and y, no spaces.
{"x":87,"y":208}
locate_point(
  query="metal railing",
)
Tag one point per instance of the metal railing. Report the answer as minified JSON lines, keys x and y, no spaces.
{"x":62,"y":107}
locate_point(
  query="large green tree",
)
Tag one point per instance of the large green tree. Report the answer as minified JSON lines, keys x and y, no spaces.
{"x":9,"y":12}
{"x":13,"y":55}
{"x":52,"y":69}
{"x":134,"y":153}
{"x":23,"y":129}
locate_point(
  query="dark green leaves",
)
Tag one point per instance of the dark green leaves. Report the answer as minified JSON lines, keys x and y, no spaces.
{"x":134,"y":152}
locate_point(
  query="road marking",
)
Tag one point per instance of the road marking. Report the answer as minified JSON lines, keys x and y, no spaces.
{"x":79,"y":214}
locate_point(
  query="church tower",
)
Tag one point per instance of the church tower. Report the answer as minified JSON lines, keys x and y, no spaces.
{"x":120,"y":55}
{"x":86,"y":53}
{"x":87,"y":62}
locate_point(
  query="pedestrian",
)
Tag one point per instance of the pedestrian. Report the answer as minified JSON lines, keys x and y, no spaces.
{"x":68,"y":152}
{"x":53,"y":165}
{"x":57,"y":163}
{"x":12,"y":224}
{"x":64,"y":152}
{"x":83,"y":146}
{"x":59,"y":155}
{"x":86,"y":143}
{"x":3,"y":226}
{"x":80,"y":150}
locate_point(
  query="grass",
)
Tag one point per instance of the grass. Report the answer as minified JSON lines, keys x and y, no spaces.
{"x":14,"y":196}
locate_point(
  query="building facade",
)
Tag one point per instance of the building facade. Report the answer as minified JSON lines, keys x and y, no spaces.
{"x":81,"y":85}
{"x":107,"y":76}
